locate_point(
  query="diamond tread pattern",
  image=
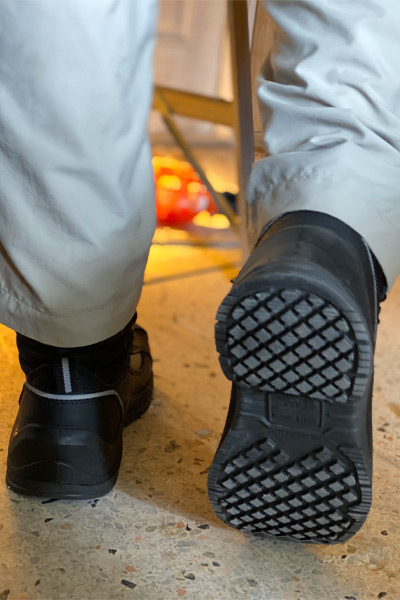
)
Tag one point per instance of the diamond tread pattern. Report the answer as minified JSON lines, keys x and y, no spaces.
{"x":308,"y":499}
{"x":291,"y":342}
{"x":287,"y":341}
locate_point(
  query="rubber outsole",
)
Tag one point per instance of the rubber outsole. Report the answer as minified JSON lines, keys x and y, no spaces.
{"x":60,"y":491}
{"x":295,"y":458}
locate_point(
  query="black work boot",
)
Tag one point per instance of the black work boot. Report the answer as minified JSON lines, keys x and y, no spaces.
{"x":296,"y":335}
{"x":67,"y":437}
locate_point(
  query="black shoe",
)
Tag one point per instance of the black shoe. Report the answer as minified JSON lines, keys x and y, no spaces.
{"x":67,"y":438}
{"x":296,"y":335}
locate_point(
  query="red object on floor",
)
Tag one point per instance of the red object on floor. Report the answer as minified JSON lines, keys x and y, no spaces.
{"x":180,"y":194}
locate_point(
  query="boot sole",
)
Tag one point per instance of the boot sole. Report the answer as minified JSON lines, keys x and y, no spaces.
{"x":58,"y":491}
{"x":295,"y":458}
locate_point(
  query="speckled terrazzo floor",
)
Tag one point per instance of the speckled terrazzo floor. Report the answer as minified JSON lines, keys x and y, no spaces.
{"x":154,"y":537}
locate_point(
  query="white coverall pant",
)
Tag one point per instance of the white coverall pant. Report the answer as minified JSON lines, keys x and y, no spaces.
{"x":76,"y":184}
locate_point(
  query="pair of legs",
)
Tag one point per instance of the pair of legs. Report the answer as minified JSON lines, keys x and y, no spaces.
{"x":77,"y":196}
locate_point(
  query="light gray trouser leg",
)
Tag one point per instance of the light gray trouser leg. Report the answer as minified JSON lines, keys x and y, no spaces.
{"x":76,"y":183}
{"x":330,"y":99}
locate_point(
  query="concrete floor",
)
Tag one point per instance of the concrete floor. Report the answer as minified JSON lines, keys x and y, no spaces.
{"x":155,"y":537}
